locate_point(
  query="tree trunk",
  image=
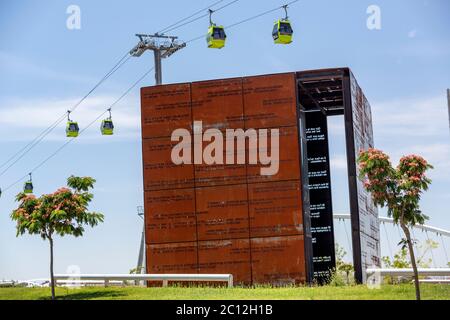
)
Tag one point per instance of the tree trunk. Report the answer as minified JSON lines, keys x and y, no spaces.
{"x":413,"y":259}
{"x":52,"y":278}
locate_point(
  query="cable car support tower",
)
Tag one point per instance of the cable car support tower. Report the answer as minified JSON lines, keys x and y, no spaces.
{"x":162,"y":46}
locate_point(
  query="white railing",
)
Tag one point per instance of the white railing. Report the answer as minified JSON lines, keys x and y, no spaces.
{"x":165,"y":278}
{"x":435,"y":281}
{"x":429,"y":272}
{"x":423,"y":227}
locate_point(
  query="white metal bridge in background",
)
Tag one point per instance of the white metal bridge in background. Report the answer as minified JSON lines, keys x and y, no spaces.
{"x":427,"y":232}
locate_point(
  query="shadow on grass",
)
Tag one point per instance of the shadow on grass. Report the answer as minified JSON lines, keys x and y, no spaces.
{"x":92,"y":294}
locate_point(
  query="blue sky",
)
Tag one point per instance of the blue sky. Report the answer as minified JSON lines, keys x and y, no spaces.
{"x":404,"y":69}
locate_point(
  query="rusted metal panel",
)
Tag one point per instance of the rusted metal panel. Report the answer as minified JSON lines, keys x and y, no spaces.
{"x":270,"y":101}
{"x":164,"y":109}
{"x":218,"y":103}
{"x":223,"y":173}
{"x":225,"y":196}
{"x":222,"y":212}
{"x":226,"y":256}
{"x":170,"y":216}
{"x":278,"y":260}
{"x":219,"y":174}
{"x":275,"y":209}
{"x":159,"y":170}
{"x":172,"y":258}
{"x":288,"y":164}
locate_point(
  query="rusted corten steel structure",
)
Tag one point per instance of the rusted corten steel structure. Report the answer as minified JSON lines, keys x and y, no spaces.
{"x":228,"y":218}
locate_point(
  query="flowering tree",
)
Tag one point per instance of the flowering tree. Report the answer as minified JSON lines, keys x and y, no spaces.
{"x":399,"y":189}
{"x":63,"y":212}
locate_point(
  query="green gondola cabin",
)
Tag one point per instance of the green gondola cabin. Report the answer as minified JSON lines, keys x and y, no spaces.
{"x":216,"y":37}
{"x":282,"y":32}
{"x":72,"y":129}
{"x":28,"y":187}
{"x":107,"y":127}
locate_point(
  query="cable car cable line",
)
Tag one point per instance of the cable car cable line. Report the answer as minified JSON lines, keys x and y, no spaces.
{"x":73,"y":108}
{"x":114,"y":69}
{"x":34,"y":169}
{"x":245,"y":20}
{"x":260,"y":14}
{"x":176,"y":24}
{"x":28,"y":147}
{"x":202,"y":16}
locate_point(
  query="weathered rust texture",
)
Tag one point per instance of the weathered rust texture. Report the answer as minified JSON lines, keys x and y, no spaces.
{"x":218,"y":103}
{"x":275,"y":209}
{"x":197,"y":216}
{"x":164,"y":109}
{"x":269,"y":101}
{"x":278,"y":260}
{"x":172,"y":258}
{"x":222,"y":212}
{"x":221,"y":174}
{"x":226,"y":256}
{"x":289,"y":167}
{"x":171,"y":216}
{"x":159,"y":170}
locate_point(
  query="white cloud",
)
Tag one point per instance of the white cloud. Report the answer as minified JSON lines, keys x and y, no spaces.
{"x":437,"y":154}
{"x":22,"y":119}
{"x":403,"y":127}
{"x":419,"y":126}
{"x":20,"y":65}
{"x":411,"y":118}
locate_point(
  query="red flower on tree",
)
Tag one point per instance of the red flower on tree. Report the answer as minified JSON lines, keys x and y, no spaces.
{"x":399,"y":189}
{"x":64,"y":212}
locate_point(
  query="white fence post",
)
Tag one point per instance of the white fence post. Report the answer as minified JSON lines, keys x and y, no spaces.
{"x":108,"y":279}
{"x":230,"y":281}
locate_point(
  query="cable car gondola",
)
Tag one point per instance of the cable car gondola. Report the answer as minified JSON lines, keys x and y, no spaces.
{"x":72,"y":128}
{"x":216,"y":34}
{"x":28,"y":186}
{"x":107,"y":126}
{"x":282,"y":30}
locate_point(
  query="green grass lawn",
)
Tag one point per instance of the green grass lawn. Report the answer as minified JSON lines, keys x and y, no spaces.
{"x":386,"y":292}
